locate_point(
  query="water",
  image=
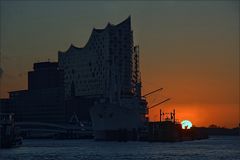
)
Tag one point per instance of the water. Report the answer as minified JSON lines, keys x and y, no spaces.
{"x":214,"y":148}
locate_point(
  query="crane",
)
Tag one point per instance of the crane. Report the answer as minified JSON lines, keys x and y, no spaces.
{"x":155,"y":105}
{"x":152,"y":92}
{"x":144,"y":96}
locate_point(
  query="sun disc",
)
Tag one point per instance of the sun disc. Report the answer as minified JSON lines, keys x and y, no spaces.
{"x":186,"y":124}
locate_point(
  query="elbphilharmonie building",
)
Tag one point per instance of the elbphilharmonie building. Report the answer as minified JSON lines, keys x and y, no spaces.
{"x":107,"y":70}
{"x":104,"y":66}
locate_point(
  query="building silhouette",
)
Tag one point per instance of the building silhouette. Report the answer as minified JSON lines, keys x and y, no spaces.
{"x":43,"y":101}
{"x":45,"y":75}
{"x":105,"y":59}
{"x":105,"y":69}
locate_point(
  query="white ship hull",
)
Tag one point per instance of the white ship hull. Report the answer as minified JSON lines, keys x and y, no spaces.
{"x":111,"y":121}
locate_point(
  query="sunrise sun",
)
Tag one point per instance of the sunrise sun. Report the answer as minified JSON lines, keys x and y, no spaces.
{"x":186,"y":124}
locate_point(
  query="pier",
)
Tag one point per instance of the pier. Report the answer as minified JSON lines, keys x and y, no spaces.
{"x":8,"y":134}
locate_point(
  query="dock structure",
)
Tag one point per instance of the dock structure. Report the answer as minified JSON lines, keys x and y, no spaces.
{"x":6,"y":118}
{"x":7,"y":130}
{"x":168,"y":129}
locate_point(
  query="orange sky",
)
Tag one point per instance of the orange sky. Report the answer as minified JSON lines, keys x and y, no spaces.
{"x":201,"y":115}
{"x":202,"y":100}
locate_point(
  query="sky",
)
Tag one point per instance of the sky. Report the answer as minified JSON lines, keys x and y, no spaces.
{"x":190,"y":48}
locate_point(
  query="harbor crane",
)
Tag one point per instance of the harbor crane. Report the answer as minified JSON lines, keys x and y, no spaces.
{"x":155,"y":105}
{"x":152,"y":92}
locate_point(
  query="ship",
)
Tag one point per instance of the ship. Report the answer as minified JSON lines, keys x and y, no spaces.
{"x":123,"y":120}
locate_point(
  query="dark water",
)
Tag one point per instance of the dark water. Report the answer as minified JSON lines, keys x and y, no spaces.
{"x":214,"y":148}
